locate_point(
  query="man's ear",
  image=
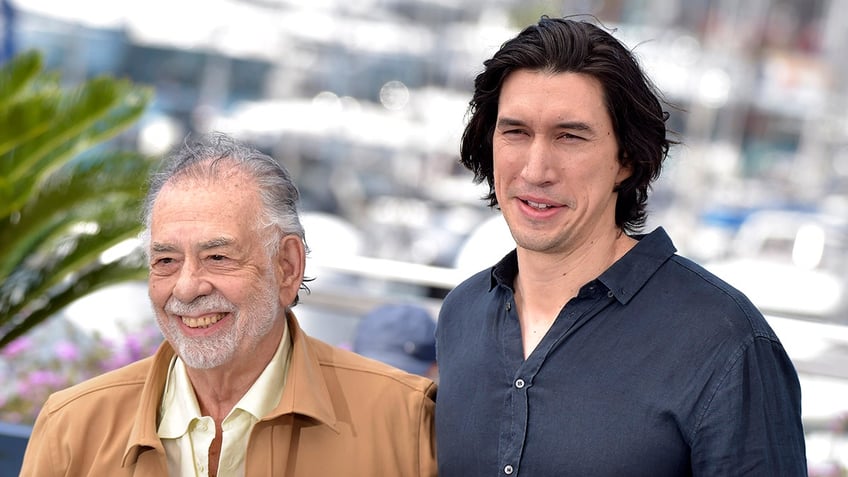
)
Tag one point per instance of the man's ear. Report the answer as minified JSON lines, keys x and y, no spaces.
{"x":290,"y":264}
{"x":624,"y":172}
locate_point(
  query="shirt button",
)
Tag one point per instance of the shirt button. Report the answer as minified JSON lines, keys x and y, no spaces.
{"x":519,"y":383}
{"x":508,"y":306}
{"x":508,"y":470}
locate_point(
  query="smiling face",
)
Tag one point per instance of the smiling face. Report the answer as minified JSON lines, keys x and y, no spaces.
{"x":216,"y":291}
{"x":555,"y":160}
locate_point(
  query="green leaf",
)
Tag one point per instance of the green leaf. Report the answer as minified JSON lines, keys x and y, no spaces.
{"x":66,"y":196}
{"x":86,"y":283}
{"x":17,"y":74}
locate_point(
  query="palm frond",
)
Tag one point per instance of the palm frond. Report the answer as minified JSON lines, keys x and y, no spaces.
{"x":86,"y":117}
{"x":17,"y":73}
{"x":65,"y":196}
{"x":106,"y":187}
{"x":86,"y":282}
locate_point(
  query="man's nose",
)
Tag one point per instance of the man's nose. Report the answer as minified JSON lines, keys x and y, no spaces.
{"x":192,"y":282}
{"x":539,"y":164}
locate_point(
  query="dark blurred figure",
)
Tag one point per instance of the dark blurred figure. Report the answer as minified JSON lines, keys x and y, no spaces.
{"x":401,"y":335}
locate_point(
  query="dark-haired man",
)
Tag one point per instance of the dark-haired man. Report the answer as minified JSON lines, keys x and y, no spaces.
{"x":592,"y":349}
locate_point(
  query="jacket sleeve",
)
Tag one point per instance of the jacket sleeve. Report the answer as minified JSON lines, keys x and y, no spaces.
{"x":752,"y":422}
{"x":427,"y":434}
{"x":39,"y":457}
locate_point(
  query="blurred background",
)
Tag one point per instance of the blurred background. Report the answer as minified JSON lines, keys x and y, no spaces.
{"x":365,"y":103}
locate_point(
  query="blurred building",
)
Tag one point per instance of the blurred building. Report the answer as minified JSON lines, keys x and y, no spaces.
{"x":369,"y":97}
{"x":366,"y":100}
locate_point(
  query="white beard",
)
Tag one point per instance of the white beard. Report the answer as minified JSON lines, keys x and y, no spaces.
{"x":245,"y":329}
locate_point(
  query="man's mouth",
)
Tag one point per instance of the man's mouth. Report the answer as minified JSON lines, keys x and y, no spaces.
{"x":202,"y":321}
{"x":538,"y":205}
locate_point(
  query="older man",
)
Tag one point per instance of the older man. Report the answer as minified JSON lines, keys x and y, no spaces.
{"x":237,"y":388}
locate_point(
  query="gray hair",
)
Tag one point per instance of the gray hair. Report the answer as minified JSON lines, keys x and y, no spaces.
{"x":202,"y":156}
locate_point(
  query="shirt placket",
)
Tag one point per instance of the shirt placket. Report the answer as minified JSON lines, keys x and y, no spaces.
{"x":515,"y":414}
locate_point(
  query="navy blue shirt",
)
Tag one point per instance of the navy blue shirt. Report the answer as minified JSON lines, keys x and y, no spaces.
{"x":656,"y":368}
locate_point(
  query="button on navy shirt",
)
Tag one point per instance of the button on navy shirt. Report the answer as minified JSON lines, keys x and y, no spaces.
{"x":656,"y":368}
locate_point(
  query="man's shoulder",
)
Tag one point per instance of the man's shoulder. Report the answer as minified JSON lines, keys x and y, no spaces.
{"x":118,"y":386}
{"x":712,"y":294}
{"x":692,"y":275}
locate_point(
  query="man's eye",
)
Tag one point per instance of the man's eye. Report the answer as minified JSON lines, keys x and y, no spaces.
{"x":217,"y":258}
{"x":513,"y":134}
{"x":164,"y":265}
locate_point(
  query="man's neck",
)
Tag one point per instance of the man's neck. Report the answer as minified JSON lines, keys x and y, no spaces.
{"x":218,"y":390}
{"x":546,"y":282}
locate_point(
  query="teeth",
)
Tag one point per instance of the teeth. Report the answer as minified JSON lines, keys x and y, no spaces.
{"x":203,"y":321}
{"x":537,"y":205}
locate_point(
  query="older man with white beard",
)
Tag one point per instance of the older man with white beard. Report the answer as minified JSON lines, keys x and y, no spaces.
{"x":237,"y":388}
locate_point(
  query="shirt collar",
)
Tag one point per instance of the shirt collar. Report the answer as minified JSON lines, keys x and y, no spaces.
{"x":265,"y":393}
{"x":632,"y":271}
{"x":179,"y":404}
{"x":505,"y":271}
{"x":624,"y":278}
{"x":306,"y":392}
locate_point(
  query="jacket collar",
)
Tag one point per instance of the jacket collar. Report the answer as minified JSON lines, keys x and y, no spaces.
{"x":143,"y":434}
{"x":305,"y":393}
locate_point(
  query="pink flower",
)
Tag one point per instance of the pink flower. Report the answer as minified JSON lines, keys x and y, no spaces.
{"x":45,"y":378}
{"x":16,"y":347}
{"x":66,"y":351}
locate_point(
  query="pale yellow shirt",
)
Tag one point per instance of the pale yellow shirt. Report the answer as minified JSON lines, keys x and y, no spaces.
{"x":187,"y":435}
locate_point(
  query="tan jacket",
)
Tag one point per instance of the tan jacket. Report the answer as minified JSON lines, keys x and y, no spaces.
{"x":340,"y":415}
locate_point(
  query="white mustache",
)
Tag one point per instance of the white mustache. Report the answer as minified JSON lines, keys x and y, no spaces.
{"x":199,"y":306}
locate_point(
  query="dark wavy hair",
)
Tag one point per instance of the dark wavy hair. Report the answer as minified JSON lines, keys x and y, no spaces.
{"x":560,"y":45}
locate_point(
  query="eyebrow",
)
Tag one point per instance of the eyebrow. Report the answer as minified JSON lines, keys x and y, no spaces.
{"x":162,"y":247}
{"x":574,"y":125}
{"x":206,"y":245}
{"x":216,"y":243}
